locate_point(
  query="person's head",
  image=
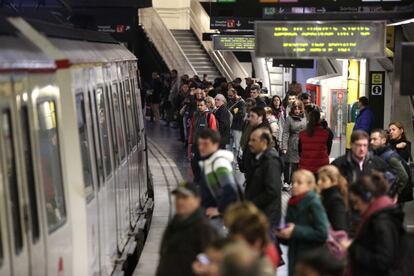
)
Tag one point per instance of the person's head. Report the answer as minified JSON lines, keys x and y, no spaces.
{"x":291,"y":98}
{"x":220,"y":100}
{"x":366,"y":189}
{"x":249,"y":81}
{"x":319,"y":262}
{"x":208,"y":142}
{"x":268,"y":111}
{"x":256,"y":116}
{"x":329,"y":176}
{"x":205,"y":77}
{"x":185,"y":88}
{"x":276,"y":101}
{"x":396,"y":130}
{"x":303,"y":182}
{"x":296,"y":108}
{"x":187,"y":199}
{"x":239,"y":259}
{"x":363,"y":102}
{"x":304,"y":97}
{"x":210,"y":103}
{"x":202,"y":105}
{"x":246,"y":222}
{"x":250,"y":103}
{"x":359,"y":144}
{"x":198,"y":93}
{"x":260,"y":140}
{"x":314,"y":118}
{"x":174,"y":74}
{"x":255,"y":91}
{"x":232,"y":94}
{"x":378,"y":138}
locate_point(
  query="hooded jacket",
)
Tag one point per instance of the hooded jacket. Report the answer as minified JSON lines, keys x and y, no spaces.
{"x":290,"y":137}
{"x":376,"y":244}
{"x":365,"y":120}
{"x":263,"y":183}
{"x":219,"y":188}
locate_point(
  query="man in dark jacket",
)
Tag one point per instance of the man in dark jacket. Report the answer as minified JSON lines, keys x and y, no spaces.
{"x":187,"y":234}
{"x":223,"y":119}
{"x":392,"y":158}
{"x":237,"y":107}
{"x":263,"y":177}
{"x":365,"y":119}
{"x":255,"y":91}
{"x":359,"y":161}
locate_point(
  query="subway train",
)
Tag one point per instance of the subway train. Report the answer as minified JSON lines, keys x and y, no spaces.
{"x":74,"y":189}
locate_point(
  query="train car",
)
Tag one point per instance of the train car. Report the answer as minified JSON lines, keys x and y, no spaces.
{"x":74,"y":186}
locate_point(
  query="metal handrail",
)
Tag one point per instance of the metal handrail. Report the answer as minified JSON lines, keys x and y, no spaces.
{"x":165,"y":42}
{"x":227,"y":63}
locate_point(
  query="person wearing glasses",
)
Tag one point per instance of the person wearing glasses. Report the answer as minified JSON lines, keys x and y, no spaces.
{"x":294,"y":124}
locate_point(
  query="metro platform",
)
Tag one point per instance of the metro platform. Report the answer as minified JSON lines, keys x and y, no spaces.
{"x":168,"y":166}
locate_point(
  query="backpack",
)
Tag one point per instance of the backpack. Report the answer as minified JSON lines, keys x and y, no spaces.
{"x":407,"y":192}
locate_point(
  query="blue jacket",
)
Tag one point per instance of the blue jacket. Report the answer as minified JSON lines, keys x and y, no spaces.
{"x":364,"y":120}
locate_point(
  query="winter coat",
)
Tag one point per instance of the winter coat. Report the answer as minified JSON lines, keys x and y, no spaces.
{"x":247,"y":130}
{"x":263,"y":183}
{"x":238,"y":110}
{"x":200,"y":121}
{"x":219,"y":188}
{"x":313,"y":151}
{"x":405,"y":152}
{"x":374,"y":249}
{"x":395,"y":166}
{"x":182,"y":241}
{"x":365,"y":120}
{"x":223,"y":120}
{"x":349,"y":168}
{"x":156,"y":86}
{"x":335,"y":207}
{"x":311,"y":226}
{"x":290,"y":137}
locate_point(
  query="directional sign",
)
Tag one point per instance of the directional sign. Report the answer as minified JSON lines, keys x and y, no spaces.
{"x":234,"y":42}
{"x":231,"y":23}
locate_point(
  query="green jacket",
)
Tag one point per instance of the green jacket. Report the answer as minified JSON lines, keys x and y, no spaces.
{"x":311,"y":227}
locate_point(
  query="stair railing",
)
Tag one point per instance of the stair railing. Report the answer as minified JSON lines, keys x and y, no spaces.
{"x":165,"y":42}
{"x":226,"y":62}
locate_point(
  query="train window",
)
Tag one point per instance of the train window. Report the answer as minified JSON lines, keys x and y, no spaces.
{"x":103,"y":129}
{"x":84,"y":145}
{"x":118,"y":124}
{"x":129,"y":112}
{"x":11,"y":174}
{"x":27,"y":151}
{"x":51,"y":169}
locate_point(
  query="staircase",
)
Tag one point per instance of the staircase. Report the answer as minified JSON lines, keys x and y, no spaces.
{"x":195,"y":52}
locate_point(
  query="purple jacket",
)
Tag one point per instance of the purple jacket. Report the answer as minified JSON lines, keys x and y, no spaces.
{"x":364,"y":120}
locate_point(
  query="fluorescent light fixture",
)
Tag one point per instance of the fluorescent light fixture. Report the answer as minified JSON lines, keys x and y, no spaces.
{"x":408,"y":21}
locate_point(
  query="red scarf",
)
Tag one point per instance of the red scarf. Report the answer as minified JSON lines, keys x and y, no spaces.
{"x":378,"y":204}
{"x":294,"y":200}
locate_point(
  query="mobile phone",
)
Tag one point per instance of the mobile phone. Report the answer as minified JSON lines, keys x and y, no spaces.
{"x":202,"y":258}
{"x":281,"y":226}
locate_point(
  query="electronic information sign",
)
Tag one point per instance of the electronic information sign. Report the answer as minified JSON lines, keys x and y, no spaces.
{"x":234,"y":42}
{"x":340,"y":39}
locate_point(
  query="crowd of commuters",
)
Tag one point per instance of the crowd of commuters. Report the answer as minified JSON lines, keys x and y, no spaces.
{"x":342,"y":218}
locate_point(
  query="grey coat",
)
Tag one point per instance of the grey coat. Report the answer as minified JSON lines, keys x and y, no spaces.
{"x":290,"y":137}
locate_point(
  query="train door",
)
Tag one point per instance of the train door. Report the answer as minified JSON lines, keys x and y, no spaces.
{"x":89,"y":169}
{"x":122,"y":183}
{"x":35,"y":238}
{"x":15,"y":246}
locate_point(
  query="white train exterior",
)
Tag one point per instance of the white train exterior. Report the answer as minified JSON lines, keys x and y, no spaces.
{"x":73,"y":169}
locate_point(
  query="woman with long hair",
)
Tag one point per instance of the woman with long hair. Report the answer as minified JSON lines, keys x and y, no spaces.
{"x":294,"y":124}
{"x":398,"y":140}
{"x":333,"y":189}
{"x":313,"y":144}
{"x":277,"y":107}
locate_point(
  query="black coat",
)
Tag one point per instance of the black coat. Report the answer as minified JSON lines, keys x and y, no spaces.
{"x":374,"y":250}
{"x":334,"y":204}
{"x":263,"y":184}
{"x":238,"y":110}
{"x":182,"y":241}
{"x":405,"y":152}
{"x":223,"y":120}
{"x":350,"y":169}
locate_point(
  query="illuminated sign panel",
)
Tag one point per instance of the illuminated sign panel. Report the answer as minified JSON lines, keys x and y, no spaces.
{"x":340,"y":39}
{"x":234,"y":42}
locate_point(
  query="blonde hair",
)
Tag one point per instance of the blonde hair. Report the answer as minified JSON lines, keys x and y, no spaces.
{"x":337,"y":179}
{"x":309,"y":176}
{"x":209,"y":100}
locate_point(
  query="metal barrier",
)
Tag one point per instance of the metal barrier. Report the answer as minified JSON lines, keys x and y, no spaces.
{"x":164,"y":42}
{"x":227,"y":63}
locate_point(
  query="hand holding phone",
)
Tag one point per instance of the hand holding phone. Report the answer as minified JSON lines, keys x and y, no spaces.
{"x":203,"y":259}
